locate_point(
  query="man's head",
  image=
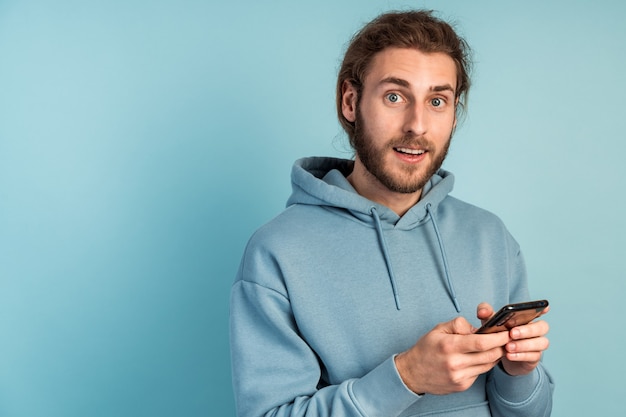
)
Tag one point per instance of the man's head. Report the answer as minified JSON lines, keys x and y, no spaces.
{"x":402,"y":79}
{"x":414,"y":29}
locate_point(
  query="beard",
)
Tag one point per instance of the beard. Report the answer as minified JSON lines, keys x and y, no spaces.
{"x":373,"y":159}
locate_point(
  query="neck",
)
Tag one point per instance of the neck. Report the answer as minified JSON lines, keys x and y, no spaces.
{"x":371,"y":188}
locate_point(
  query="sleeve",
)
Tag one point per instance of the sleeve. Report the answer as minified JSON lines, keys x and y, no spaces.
{"x":276,"y":373}
{"x":520,"y":396}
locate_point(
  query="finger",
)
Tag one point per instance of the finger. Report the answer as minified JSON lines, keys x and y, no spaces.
{"x":485,"y":342}
{"x":532,"y":358}
{"x":538,"y":344}
{"x":520,"y":364}
{"x":482,"y":362}
{"x":484,"y":311}
{"x":535,"y":329}
{"x":466,"y":367}
{"x":458,"y":326}
{"x":488,"y":357}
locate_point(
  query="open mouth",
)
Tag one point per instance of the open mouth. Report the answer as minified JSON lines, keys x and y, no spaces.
{"x":408,"y":151}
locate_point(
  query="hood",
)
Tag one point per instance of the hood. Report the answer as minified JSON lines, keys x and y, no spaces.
{"x":321,"y":181}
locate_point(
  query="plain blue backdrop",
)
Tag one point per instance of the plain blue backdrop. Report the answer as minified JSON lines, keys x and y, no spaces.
{"x":142,"y":142}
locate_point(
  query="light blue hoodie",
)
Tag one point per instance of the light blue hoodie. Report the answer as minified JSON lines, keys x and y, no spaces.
{"x":336,"y":285}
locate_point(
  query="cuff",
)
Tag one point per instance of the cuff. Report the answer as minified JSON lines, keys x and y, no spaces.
{"x":515,"y":389}
{"x":382,"y":391}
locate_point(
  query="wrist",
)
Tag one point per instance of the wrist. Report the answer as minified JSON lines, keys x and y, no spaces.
{"x":402,"y":367}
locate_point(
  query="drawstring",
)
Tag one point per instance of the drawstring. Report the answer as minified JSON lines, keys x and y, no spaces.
{"x":383,"y":243}
{"x":445,"y":260}
{"x":392,"y":277}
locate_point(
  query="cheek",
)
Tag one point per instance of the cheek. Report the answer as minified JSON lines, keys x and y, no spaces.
{"x":370,"y":120}
{"x":386,"y":123}
{"x":444,"y":126}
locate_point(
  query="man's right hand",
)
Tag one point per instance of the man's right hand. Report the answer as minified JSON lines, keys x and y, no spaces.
{"x":449,"y":358}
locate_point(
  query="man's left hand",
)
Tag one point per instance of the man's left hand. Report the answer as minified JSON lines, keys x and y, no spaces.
{"x":526,"y":345}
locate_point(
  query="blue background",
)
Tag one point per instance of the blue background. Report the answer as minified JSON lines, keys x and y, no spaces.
{"x":142,"y":142}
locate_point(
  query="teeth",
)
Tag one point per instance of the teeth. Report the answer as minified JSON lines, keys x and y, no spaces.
{"x":411,"y":151}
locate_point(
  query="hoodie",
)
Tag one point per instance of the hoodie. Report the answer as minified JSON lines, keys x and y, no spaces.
{"x":329,"y":291}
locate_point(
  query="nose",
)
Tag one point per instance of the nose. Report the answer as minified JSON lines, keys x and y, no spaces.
{"x":416,"y":120}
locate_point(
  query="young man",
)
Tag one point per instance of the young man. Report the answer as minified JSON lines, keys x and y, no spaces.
{"x":352,"y":301}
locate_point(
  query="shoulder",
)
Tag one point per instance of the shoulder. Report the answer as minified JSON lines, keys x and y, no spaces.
{"x":474,"y":220}
{"x":291,"y":222}
{"x":454,"y":206}
{"x":287,"y":236}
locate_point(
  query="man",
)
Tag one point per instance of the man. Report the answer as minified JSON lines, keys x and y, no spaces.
{"x":352,"y":301}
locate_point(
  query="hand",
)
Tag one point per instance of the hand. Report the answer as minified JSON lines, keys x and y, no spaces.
{"x":526,"y":344}
{"x":449,"y":358}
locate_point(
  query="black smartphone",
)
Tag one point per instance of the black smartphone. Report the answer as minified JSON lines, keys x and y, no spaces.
{"x":512,"y":315}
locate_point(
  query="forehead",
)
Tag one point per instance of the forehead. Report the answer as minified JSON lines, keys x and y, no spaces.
{"x":418,"y":68}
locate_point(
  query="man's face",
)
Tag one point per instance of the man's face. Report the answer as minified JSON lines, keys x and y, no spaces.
{"x":405,"y":117}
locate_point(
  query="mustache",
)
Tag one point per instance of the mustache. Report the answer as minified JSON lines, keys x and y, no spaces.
{"x":410,"y":140}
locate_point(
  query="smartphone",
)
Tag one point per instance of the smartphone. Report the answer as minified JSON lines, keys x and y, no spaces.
{"x":512,"y":315}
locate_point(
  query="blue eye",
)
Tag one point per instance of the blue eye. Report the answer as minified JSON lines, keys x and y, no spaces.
{"x":393,"y":97}
{"x":437,"y":102}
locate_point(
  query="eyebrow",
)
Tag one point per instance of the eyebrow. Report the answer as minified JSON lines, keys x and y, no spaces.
{"x":397,"y":81}
{"x":394,"y":80}
{"x":445,"y":87}
{"x":404,"y":83}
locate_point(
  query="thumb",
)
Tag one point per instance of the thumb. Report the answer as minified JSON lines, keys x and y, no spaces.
{"x":484,"y":311}
{"x":458,"y":326}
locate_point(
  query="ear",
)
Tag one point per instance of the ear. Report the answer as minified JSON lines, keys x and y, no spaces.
{"x":348,"y":101}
